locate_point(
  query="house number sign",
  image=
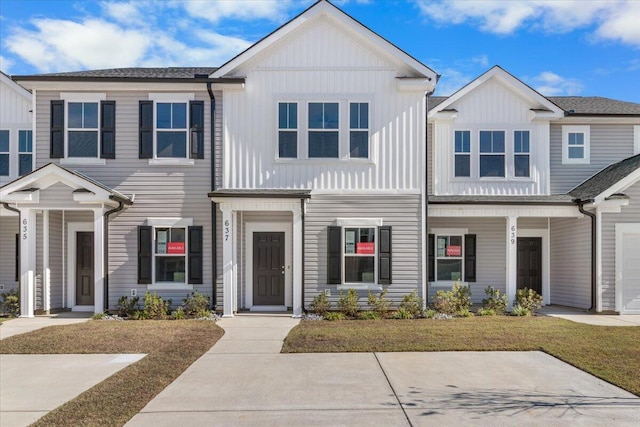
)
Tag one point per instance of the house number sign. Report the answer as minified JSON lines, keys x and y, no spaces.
{"x":513,"y":234}
{"x":227,"y":230}
{"x":25,"y":222}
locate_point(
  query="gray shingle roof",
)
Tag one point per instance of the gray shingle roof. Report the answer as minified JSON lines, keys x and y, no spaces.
{"x":137,"y":72}
{"x":281,"y":193}
{"x":606,"y":178}
{"x":559,"y":199}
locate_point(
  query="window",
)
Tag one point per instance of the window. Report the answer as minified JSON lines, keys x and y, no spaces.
{"x":171,"y":129}
{"x":492,"y":154}
{"x":82,"y":137}
{"x":521,"y":153}
{"x":25,"y":152}
{"x":575,"y":145}
{"x":462,"y":156}
{"x":449,"y":257}
{"x":359,"y":130}
{"x":4,"y":153}
{"x":287,"y":130}
{"x":359,"y":255}
{"x":170,"y":254}
{"x":323,"y":129}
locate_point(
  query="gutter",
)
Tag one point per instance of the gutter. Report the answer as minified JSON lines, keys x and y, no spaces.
{"x":581,"y":204}
{"x":214,"y":207}
{"x":302,"y":201}
{"x":106,"y":250}
{"x":425,"y":233}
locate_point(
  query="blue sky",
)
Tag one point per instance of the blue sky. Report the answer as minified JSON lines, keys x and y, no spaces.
{"x":571,"y":47}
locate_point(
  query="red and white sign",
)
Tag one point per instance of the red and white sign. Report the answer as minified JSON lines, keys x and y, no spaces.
{"x":365,"y":248}
{"x":175,"y":248}
{"x":454,"y":250}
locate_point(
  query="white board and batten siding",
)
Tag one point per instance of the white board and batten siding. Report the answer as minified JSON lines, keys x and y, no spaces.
{"x":8,"y":231}
{"x":319,"y":63}
{"x":15,"y":115}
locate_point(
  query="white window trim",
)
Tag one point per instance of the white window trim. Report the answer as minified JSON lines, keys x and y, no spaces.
{"x":514,"y":154}
{"x":164,"y":97}
{"x":278,"y":129}
{"x":636,"y":139}
{"x":9,"y":173}
{"x":341,"y":130}
{"x":32,"y":152}
{"x":170,"y":223}
{"x":503,"y":154}
{"x":350,"y":129}
{"x":68,"y":97}
{"x":584,"y":129}
{"x":455,"y":153}
{"x":359,"y":223}
{"x":447,"y":232}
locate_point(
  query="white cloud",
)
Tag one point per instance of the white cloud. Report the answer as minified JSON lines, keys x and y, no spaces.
{"x":611,"y":19}
{"x":214,"y":11}
{"x":131,"y":12}
{"x":6,"y":64}
{"x":451,"y":81}
{"x":551,"y":84}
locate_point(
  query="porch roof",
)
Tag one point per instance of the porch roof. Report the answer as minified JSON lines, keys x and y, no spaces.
{"x":607,"y":179}
{"x":558,"y":199}
{"x":264,"y":193}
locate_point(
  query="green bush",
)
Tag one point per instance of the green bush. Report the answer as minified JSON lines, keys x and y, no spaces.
{"x":519,"y":310}
{"x":465,"y":312}
{"x":155,"y":307}
{"x":368,"y":315}
{"x":348,"y":303}
{"x":495,"y":301}
{"x":486,"y":312}
{"x":430,"y":314}
{"x":411,"y":303}
{"x":379,"y":303}
{"x":126,"y":307}
{"x":457,"y":301}
{"x":11,"y":303}
{"x":403,"y":313}
{"x":178,"y":314}
{"x":196,"y":305}
{"x":528,"y":299}
{"x":320,"y":304}
{"x":334,"y":315}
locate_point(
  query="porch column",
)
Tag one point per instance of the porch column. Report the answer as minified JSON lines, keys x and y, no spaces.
{"x":46,"y":271}
{"x":27,"y":261}
{"x":227,"y":261}
{"x":512,"y":258}
{"x":98,"y":261}
{"x":234,"y":260}
{"x":297,"y":263}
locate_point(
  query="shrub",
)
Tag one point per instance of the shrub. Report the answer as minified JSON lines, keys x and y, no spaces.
{"x":495,"y":301}
{"x":320,"y":304}
{"x":519,"y":310}
{"x":528,"y":299}
{"x":456,"y":301}
{"x":126,"y":307}
{"x":465,"y":312}
{"x":334,"y":315}
{"x":430,"y":314}
{"x":412,"y":303}
{"x":11,"y":303}
{"x":368,"y":315}
{"x":155,"y":307}
{"x":196,"y":305}
{"x":379,"y":303}
{"x":178,"y":314}
{"x":486,"y":312}
{"x":403,"y":313}
{"x":348,"y":303}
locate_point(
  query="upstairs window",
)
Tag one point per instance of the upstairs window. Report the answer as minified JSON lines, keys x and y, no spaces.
{"x":171,"y":129}
{"x":521,"y":153}
{"x":25,"y":152}
{"x":287,"y":130}
{"x":359,"y":130}
{"x":4,"y":153}
{"x":492,"y":153}
{"x":575,"y":145}
{"x":82,"y":129}
{"x":323,"y":129}
{"x":462,"y":149}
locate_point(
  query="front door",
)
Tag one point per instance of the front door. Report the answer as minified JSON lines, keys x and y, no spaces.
{"x":268,"y":268}
{"x":84,"y":268}
{"x":530,"y":263}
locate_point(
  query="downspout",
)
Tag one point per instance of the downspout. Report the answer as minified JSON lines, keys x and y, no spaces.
{"x":106,"y":253}
{"x":425,"y":233}
{"x":594,"y":236}
{"x":302,"y":284}
{"x":9,"y":208}
{"x":214,"y":207}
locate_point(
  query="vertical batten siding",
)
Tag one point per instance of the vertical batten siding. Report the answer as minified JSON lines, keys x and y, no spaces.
{"x":38,"y":276}
{"x":15,"y":115}
{"x":571,"y":262}
{"x":323,"y":210}
{"x":629,"y":214}
{"x":610,"y":143}
{"x":8,"y":231}
{"x":55,"y":259}
{"x":491,"y":252}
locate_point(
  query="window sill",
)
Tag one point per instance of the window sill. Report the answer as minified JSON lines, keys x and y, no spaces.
{"x":324,"y":161}
{"x":170,"y":287}
{"x":171,"y":162}
{"x":70,"y":161}
{"x":576,"y":162}
{"x":446,"y":284}
{"x":360,"y":287}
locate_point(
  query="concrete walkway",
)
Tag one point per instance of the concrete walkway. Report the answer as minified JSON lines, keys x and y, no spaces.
{"x":22,"y":325}
{"x":582,"y":316}
{"x":244,"y":381}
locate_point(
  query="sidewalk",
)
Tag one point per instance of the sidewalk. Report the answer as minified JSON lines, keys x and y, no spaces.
{"x":582,"y":316}
{"x":22,"y":325}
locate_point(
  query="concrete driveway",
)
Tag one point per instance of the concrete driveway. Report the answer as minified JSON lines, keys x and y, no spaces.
{"x":244,"y":381}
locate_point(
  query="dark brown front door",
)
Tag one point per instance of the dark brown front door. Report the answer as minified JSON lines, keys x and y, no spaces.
{"x":530,"y":263}
{"x":84,"y":268}
{"x":268,"y":268}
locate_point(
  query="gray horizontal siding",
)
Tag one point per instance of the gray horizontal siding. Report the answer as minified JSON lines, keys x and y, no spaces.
{"x":610,"y":143}
{"x":55,"y":260}
{"x":571,"y":262}
{"x":629,"y":214}
{"x":8,"y":231}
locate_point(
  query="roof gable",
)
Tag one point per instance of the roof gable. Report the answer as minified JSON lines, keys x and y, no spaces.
{"x":611,"y":180}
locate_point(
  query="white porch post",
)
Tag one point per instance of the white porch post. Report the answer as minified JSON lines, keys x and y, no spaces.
{"x":297,"y":263}
{"x":234,"y":259}
{"x":512,"y":258}
{"x":27,"y":262}
{"x":227,"y":260}
{"x":46,"y":272}
{"x":98,"y":261}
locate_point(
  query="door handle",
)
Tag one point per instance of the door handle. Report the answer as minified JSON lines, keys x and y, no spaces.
{"x":283,"y":270}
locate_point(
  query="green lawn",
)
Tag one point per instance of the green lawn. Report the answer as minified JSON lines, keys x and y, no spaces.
{"x":610,"y":353}
{"x":171,"y":346}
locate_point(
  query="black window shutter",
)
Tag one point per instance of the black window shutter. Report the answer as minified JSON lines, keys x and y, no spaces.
{"x":384,"y":255}
{"x":196,"y":119}
{"x":195,"y":255}
{"x":108,"y":129}
{"x":56,"y":145}
{"x":17,"y":257}
{"x":145,"y":137}
{"x":470,"y":258}
{"x":145,"y":254}
{"x":334,"y":252}
{"x":432,"y":258}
